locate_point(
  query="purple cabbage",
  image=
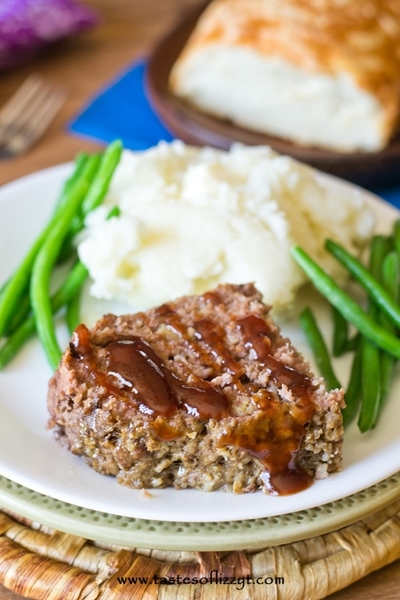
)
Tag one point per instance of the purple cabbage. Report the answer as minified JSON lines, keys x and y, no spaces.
{"x":27,"y":25}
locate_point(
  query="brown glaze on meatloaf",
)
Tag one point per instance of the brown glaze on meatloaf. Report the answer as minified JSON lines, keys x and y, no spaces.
{"x":202,"y":392}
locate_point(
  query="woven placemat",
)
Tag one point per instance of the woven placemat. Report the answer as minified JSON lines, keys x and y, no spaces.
{"x":45,"y":564}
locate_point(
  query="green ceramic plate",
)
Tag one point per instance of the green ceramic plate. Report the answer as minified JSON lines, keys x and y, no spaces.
{"x":171,"y":535}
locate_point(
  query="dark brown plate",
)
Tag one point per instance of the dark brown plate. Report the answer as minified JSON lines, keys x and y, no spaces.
{"x":366,"y":169}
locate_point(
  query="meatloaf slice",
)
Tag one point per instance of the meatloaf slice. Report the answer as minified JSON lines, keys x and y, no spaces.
{"x":203,"y":392}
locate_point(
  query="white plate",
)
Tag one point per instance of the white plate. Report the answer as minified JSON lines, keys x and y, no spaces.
{"x":30,"y":456}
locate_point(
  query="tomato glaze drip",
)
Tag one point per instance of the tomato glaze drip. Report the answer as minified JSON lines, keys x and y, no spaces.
{"x":139,"y":369}
{"x":143,"y":376}
{"x":81,"y":349}
{"x":274,"y":436}
{"x":212,"y":335}
{"x":208,"y":339}
{"x":256,"y":335}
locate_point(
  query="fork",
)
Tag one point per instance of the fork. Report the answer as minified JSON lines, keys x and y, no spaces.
{"x":27,"y":114}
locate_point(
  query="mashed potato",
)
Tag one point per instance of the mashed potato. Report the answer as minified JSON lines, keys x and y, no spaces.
{"x":192,"y":218}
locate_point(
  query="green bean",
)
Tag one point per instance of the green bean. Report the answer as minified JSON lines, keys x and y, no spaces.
{"x":45,"y":260}
{"x":370,"y":380}
{"x":95,"y":196}
{"x":3,"y":287}
{"x":380,"y":247}
{"x":98,"y":189}
{"x":345,"y":304}
{"x":390,"y":279}
{"x":67,"y":291}
{"x":10,"y":298}
{"x":371,"y":354}
{"x":79,"y":163}
{"x":374,"y":288}
{"x":340,"y":333}
{"x":19,"y":282}
{"x":76,"y":224}
{"x":20,"y":314}
{"x":352,"y":343}
{"x":15,"y":342}
{"x":71,"y":286}
{"x":352,"y":395}
{"x":370,"y":385}
{"x":319,"y":349}
{"x":396,"y":236}
{"x":342,"y":343}
{"x":73,"y":313}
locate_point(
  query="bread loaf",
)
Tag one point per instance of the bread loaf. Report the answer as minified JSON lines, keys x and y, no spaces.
{"x":322,"y":73}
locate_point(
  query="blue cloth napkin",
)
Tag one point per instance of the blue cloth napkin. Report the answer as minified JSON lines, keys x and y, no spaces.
{"x":391,"y":195}
{"x":123,"y":111}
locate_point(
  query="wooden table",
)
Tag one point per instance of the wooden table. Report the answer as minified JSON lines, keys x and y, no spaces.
{"x":81,"y":66}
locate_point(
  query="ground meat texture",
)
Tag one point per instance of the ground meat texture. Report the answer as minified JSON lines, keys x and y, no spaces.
{"x":203,"y":392}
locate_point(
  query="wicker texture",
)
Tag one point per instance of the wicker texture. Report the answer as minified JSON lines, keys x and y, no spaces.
{"x":45,"y":564}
